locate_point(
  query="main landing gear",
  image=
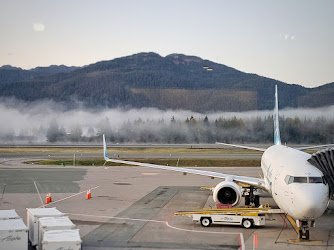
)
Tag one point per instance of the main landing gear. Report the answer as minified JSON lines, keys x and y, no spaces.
{"x":251,"y":198}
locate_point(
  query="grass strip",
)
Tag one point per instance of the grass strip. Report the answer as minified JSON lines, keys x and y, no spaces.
{"x":169,"y":162}
{"x":120,"y":150}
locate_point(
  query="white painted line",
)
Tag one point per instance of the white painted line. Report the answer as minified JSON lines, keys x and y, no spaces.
{"x":114,"y":217}
{"x":40,"y":197}
{"x":198,"y":231}
{"x":242,"y":242}
{"x":240,"y":235}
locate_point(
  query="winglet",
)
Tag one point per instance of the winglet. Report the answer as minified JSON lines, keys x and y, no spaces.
{"x":105,"y":155}
{"x":277,"y":137}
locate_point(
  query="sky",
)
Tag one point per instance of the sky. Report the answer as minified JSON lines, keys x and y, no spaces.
{"x":288,"y":40}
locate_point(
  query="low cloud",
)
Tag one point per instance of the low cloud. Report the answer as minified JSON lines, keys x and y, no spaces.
{"x":289,"y":37}
{"x":38,"y":27}
{"x":34,"y":119}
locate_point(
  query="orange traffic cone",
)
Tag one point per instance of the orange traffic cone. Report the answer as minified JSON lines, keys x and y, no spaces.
{"x":48,"y":198}
{"x":88,"y":195}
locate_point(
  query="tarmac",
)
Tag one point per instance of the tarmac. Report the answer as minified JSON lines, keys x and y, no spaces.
{"x":132,"y":207}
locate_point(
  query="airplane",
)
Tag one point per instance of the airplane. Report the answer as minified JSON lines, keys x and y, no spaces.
{"x":298,"y":187}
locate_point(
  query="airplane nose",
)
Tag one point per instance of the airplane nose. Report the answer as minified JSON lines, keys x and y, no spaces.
{"x":310,"y":201}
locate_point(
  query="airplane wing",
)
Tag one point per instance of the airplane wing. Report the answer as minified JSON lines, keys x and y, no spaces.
{"x":262,"y":149}
{"x":253,"y":181}
{"x":241,"y":146}
{"x":318,"y":146}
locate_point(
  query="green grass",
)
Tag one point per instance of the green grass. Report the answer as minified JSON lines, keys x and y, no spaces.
{"x":170,"y":162}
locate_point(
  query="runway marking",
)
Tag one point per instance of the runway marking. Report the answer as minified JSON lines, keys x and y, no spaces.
{"x":68,"y":197}
{"x":114,"y":217}
{"x":40,"y":197}
{"x":271,"y":231}
{"x":241,"y":236}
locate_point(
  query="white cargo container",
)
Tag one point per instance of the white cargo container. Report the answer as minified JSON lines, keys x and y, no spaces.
{"x":53,"y":223}
{"x":9,"y":214}
{"x":61,"y":239}
{"x":13,"y":234}
{"x":33,"y":215}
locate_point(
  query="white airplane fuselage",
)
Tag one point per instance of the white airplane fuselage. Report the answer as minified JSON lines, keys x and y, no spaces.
{"x":302,"y":199}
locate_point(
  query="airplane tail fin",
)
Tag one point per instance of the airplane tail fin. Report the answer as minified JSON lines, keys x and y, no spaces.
{"x":105,"y":155}
{"x":277,"y":137}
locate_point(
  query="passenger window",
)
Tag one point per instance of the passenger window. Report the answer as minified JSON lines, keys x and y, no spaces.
{"x":300,"y":179}
{"x":315,"y":179}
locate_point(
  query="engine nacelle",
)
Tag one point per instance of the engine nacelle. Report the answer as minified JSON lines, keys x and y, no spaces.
{"x":227,"y":192}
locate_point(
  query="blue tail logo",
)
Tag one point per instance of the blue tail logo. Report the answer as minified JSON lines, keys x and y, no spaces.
{"x":105,"y":148}
{"x":277,"y":137}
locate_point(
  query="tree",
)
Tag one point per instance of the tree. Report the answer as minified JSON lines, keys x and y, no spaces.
{"x":53,"y":132}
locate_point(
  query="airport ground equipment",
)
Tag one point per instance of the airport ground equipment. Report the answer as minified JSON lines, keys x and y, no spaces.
{"x":33,"y":215}
{"x":8,"y":214}
{"x":62,"y":239}
{"x":13,"y":234}
{"x":245,"y":217}
{"x":53,"y":223}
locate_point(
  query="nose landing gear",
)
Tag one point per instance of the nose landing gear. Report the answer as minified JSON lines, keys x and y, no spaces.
{"x":304,"y":232}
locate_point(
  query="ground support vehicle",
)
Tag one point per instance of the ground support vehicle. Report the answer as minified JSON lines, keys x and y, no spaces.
{"x":246,"y":217}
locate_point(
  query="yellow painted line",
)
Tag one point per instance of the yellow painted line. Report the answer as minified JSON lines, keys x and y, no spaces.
{"x":206,"y":188}
{"x":149,"y":173}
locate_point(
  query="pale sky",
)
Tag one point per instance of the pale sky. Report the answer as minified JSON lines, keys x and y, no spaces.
{"x":288,"y":40}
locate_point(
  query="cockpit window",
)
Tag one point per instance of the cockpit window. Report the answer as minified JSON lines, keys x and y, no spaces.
{"x":300,"y":179}
{"x":297,"y":179}
{"x":315,"y":179}
{"x":286,"y":179}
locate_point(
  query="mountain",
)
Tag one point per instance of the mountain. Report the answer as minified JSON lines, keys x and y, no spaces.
{"x":173,"y":82}
{"x":9,"y":74}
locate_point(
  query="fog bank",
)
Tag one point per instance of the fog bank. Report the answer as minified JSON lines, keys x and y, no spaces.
{"x":34,"y":119}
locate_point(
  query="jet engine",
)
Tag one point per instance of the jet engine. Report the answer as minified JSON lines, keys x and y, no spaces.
{"x":227,"y":192}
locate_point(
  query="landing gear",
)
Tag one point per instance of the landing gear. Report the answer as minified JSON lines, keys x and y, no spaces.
{"x":304,"y":232}
{"x":251,"y":198}
{"x":247,"y":200}
{"x":257,"y":201}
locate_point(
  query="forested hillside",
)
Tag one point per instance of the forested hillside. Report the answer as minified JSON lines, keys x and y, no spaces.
{"x":172,"y":82}
{"x":9,"y":74}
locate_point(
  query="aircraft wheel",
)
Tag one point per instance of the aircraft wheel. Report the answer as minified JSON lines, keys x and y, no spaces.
{"x":305,"y":235}
{"x":247,"y":200}
{"x":206,"y":222}
{"x":257,"y":201}
{"x":246,"y":223}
